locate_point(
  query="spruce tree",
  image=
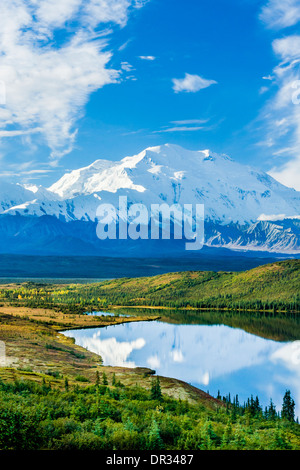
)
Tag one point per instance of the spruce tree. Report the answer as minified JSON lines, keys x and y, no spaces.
{"x":104,"y":379}
{"x":156,"y":390}
{"x":271,"y":412}
{"x":66,"y":384}
{"x":97,"y":378}
{"x":288,"y":407}
{"x":155,"y":442}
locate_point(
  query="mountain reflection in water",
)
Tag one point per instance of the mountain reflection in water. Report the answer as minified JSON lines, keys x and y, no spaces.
{"x":213,"y":358}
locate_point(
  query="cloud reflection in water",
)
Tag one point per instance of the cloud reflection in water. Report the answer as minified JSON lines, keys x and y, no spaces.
{"x":217,"y":356}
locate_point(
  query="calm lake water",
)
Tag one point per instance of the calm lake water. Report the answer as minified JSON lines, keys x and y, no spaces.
{"x":212,"y":358}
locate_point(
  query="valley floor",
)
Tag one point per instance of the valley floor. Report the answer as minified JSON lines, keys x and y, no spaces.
{"x":57,"y":395}
{"x":65,"y":398}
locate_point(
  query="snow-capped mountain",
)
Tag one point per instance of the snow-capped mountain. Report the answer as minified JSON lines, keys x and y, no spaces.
{"x":17,"y":195}
{"x":12,"y":195}
{"x":244,"y":208}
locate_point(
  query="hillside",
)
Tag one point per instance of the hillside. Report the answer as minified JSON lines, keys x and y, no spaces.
{"x":273,"y":285}
{"x":270,"y":288}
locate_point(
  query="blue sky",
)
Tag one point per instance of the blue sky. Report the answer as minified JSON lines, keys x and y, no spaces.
{"x":89,"y":79}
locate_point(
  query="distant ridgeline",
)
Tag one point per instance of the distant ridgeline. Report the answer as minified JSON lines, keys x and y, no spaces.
{"x":268,"y":288}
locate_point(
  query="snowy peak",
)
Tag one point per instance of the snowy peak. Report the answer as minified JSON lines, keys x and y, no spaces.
{"x":171,"y":155}
{"x":76,"y":182}
{"x":231,"y":192}
{"x":244,"y":208}
{"x":13,"y":194}
{"x":100,"y":176}
{"x":41,"y":193}
{"x":103,"y":175}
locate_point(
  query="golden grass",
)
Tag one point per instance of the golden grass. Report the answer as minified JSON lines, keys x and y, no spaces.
{"x":35,"y":349}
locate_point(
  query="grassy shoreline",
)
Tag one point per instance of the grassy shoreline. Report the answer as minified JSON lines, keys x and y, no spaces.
{"x":51,"y":398}
{"x":35,"y":346}
{"x":50,"y":385}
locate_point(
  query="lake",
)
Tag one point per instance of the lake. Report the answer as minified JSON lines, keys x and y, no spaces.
{"x":210,"y":357}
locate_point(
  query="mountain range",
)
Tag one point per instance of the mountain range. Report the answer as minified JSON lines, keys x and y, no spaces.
{"x":245,"y":208}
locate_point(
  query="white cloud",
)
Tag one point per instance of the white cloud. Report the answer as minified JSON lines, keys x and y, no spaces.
{"x":190,"y":121}
{"x":126,"y":66}
{"x":281,"y":13}
{"x":154,"y":362}
{"x":269,"y":77}
{"x":106,"y":11}
{"x":147,"y":57}
{"x":124,"y":45}
{"x":288,"y":174}
{"x":48,"y":83}
{"x":288,"y":48}
{"x":263,"y":90}
{"x":181,"y":129}
{"x":281,"y":114}
{"x":187,"y":125}
{"x":20,"y":133}
{"x":191,"y":83}
{"x":54,"y":13}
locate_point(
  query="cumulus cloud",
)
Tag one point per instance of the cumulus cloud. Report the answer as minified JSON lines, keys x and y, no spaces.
{"x":191,"y":83}
{"x":281,"y":13}
{"x":47,"y":81}
{"x":281,"y":114}
{"x":288,"y":48}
